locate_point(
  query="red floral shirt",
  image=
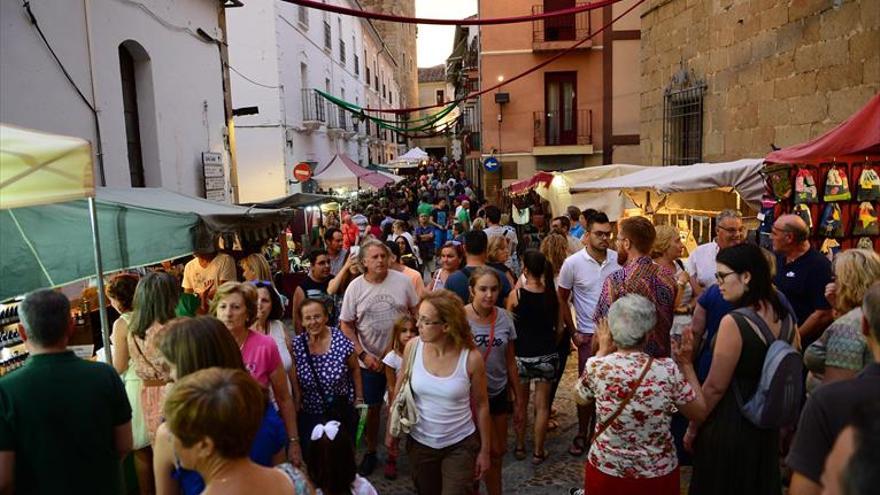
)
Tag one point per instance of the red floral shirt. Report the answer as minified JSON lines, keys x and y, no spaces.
{"x":639,"y":443}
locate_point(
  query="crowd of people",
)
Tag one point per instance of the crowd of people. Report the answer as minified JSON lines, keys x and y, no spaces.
{"x":744,"y":363}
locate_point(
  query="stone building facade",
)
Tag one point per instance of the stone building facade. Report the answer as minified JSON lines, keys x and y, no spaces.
{"x":401,"y":42}
{"x":774,"y":72}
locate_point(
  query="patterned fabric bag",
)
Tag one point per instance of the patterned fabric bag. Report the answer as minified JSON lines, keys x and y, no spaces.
{"x":836,"y":186}
{"x":805,"y":190}
{"x":778,"y":180}
{"x":866,"y":223}
{"x":869,"y":185}
{"x":803,"y":211}
{"x":832,"y":222}
{"x":830,"y":248}
{"x":865,"y":243}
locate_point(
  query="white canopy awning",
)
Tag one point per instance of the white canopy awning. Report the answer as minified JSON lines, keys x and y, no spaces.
{"x":743,"y":176}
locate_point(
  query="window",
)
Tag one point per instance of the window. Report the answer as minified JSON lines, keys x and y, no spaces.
{"x":368,"y":76}
{"x":440,"y":96}
{"x":683,"y":119}
{"x":342,"y":52}
{"x":357,"y":66}
{"x":327,"y":36}
{"x":560,"y":120}
{"x":304,"y":16}
{"x":383,"y":91}
{"x":132,"y":119}
{"x":559,"y":28}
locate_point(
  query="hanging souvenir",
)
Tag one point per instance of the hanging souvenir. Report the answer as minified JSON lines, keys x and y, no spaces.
{"x":803,"y":211}
{"x":778,"y":180}
{"x":520,"y":216}
{"x":805,"y":190}
{"x":767,"y":215}
{"x":866,"y":223}
{"x":831,"y":224}
{"x":869,"y":185}
{"x":865,"y":243}
{"x":836,"y":186}
{"x":830,"y":248}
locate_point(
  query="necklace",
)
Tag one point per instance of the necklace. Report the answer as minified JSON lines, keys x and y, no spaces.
{"x":482,"y":317}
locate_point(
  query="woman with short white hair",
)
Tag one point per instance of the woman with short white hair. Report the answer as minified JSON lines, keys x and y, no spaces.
{"x":632,"y":449}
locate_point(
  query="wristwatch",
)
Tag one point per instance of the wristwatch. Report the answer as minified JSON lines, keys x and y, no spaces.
{"x":294,"y":439}
{"x":362,"y":355}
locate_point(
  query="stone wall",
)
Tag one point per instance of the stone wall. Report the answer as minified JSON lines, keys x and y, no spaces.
{"x":777,"y":71}
{"x":401,"y":42}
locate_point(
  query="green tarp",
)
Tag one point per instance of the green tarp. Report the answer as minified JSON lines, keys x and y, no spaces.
{"x":52,"y":245}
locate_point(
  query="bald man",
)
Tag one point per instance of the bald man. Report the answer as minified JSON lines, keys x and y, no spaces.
{"x":802,"y":274}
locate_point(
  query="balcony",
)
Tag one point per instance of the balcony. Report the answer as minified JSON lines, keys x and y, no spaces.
{"x":563,"y":133}
{"x":559,"y":33}
{"x":314,"y":114}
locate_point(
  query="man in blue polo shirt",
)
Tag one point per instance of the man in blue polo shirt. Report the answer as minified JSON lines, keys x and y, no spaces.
{"x":802,"y":274}
{"x":65,"y":423}
{"x":476,"y":243}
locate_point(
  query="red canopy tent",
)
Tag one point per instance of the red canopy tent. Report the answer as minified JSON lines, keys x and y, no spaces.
{"x":854,"y":139}
{"x":540,"y":178}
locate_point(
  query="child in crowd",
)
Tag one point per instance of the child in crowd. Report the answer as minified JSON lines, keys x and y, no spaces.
{"x":404,"y":329}
{"x":331,"y":463}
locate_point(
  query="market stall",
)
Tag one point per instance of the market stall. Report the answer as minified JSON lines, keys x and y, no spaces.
{"x":689,"y":195}
{"x":831,"y":182}
{"x":341,"y":172}
{"x":410,"y":159}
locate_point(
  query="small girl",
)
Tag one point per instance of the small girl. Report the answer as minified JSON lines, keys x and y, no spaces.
{"x":331,"y":463}
{"x":404,"y":329}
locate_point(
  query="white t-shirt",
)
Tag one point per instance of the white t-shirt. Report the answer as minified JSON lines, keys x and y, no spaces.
{"x":701,"y":263}
{"x":197,"y":279}
{"x":584,"y":276}
{"x":373,"y":308}
{"x":393,"y":360}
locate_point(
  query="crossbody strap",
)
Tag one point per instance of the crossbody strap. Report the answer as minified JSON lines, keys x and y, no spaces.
{"x":491,"y":334}
{"x":624,"y":402}
{"x":314,"y":371}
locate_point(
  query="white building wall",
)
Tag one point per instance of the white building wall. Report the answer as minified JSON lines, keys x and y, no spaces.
{"x":268,"y":44}
{"x":180,"y":89}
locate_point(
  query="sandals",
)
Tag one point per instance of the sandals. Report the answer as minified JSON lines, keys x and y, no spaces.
{"x":578,"y":446}
{"x":539,"y":458}
{"x":519,"y":453}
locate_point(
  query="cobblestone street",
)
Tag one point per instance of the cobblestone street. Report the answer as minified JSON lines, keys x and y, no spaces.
{"x":556,"y":475}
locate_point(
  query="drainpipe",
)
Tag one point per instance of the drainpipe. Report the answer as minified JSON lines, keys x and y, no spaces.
{"x":99,"y":147}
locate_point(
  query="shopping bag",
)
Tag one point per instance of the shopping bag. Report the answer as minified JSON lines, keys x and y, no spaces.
{"x":805,"y":190}
{"x":831,"y":224}
{"x":866,"y":223}
{"x":869,"y":185}
{"x":836,"y":186}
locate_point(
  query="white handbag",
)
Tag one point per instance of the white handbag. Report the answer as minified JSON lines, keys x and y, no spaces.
{"x":403,"y":415}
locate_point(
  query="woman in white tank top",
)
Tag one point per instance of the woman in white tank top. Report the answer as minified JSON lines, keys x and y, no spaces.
{"x":447,"y":375}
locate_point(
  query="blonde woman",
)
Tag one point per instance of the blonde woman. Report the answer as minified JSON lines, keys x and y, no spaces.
{"x":448,"y":448}
{"x":497,"y":255}
{"x":255,"y":267}
{"x":841,"y":352}
{"x":666,"y":252}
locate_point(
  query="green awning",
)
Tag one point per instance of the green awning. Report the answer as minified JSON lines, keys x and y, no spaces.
{"x":52,"y":245}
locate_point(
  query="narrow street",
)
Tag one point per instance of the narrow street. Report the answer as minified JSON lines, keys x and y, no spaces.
{"x":556,"y":475}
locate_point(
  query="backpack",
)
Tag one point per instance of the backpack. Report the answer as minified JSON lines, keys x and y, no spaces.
{"x":805,"y":187}
{"x":777,"y":399}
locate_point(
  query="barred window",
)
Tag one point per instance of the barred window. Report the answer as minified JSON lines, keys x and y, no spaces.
{"x":683,"y":119}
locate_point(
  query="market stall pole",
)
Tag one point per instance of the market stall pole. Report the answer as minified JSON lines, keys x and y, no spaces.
{"x":38,"y":168}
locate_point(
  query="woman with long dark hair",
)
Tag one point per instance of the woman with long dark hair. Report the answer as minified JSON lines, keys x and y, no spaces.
{"x":155,"y":298}
{"x":732,"y":455}
{"x":535,"y":346}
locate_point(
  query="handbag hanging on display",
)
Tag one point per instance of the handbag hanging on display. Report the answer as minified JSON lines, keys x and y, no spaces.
{"x":869,"y":185}
{"x":778,"y":181}
{"x":866,"y":222}
{"x":805,"y":190}
{"x":836,"y":185}
{"x":831,"y":224}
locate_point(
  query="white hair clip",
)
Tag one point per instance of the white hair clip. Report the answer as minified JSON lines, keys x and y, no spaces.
{"x":331,"y":428}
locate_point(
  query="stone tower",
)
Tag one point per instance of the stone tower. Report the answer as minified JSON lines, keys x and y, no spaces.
{"x":401,"y":42}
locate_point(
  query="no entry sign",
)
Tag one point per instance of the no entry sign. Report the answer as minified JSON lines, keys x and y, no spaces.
{"x":302,"y":172}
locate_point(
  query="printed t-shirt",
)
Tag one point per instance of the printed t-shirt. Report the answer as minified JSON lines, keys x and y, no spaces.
{"x":373,"y":308}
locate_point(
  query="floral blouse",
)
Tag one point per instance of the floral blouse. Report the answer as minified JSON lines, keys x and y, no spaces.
{"x":639,"y":443}
{"x":331,"y":368}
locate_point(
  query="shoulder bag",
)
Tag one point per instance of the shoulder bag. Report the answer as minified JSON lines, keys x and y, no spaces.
{"x":337,"y":407}
{"x":403,"y":414}
{"x":600,"y":428}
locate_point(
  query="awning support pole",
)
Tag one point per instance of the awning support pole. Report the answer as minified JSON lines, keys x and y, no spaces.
{"x":99,"y":269}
